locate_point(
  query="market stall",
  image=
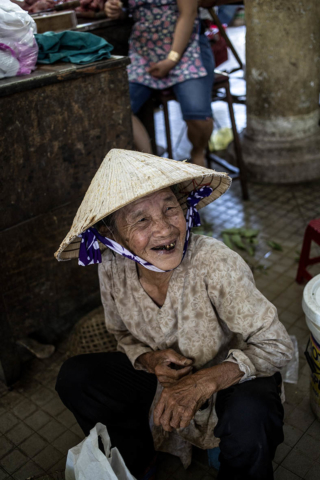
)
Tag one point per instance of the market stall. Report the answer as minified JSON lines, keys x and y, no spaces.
{"x":57,"y":125}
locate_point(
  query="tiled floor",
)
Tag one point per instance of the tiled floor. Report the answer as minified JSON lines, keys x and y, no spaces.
{"x":36,"y":430}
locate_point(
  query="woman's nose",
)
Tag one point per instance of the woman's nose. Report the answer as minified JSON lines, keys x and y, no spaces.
{"x":161,"y":226}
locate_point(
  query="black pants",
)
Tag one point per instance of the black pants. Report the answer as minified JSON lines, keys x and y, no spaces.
{"x":104,"y":387}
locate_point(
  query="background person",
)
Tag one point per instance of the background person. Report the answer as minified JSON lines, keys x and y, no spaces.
{"x":166,"y":50}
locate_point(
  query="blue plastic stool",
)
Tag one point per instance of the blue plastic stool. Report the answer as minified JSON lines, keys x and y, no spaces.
{"x":213,"y":457}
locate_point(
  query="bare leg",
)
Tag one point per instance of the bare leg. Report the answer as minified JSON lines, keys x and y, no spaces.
{"x":140,"y":136}
{"x":199,"y":132}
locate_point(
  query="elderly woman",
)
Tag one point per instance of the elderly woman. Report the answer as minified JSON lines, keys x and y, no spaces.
{"x":198,"y":345}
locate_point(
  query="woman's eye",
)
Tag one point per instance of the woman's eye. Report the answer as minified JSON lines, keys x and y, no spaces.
{"x":142,"y":220}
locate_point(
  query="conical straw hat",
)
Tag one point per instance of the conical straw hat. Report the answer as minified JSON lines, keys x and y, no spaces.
{"x":125,"y":176}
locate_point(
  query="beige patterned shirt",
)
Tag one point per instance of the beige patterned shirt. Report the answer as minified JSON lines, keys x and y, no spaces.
{"x":212,"y":313}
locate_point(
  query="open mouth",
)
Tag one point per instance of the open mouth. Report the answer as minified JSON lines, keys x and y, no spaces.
{"x":167,"y":248}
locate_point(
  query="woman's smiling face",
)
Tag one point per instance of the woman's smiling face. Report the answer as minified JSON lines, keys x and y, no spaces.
{"x":154,"y":228}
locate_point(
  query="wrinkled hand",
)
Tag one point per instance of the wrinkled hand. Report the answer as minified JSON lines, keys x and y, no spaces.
{"x":179,"y":403}
{"x":162,"y":68}
{"x":113,"y":9}
{"x":159,"y":363}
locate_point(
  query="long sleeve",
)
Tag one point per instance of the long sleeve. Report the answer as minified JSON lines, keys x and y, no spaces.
{"x":127,"y":343}
{"x":247,"y":312}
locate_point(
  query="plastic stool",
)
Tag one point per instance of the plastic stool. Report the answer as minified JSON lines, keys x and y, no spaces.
{"x":213,"y":457}
{"x":312,"y":233}
{"x":221,"y":81}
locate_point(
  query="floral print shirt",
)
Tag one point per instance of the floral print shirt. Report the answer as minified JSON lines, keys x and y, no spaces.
{"x":212,"y":313}
{"x":151,"y":40}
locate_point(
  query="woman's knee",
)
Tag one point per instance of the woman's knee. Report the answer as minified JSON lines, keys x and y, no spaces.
{"x":199,"y":131}
{"x":253,"y":406}
{"x":72,"y":376}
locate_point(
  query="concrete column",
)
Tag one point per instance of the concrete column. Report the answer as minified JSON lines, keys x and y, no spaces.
{"x":281,"y":143}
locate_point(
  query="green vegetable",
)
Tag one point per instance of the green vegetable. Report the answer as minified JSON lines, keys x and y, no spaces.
{"x":249,"y":232}
{"x":238,"y":242}
{"x":243,"y":232}
{"x":254,"y":241}
{"x":232,"y":231}
{"x":227,"y":240}
{"x":275,"y":246}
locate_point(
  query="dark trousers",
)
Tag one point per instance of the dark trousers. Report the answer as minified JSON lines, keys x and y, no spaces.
{"x":104,"y":387}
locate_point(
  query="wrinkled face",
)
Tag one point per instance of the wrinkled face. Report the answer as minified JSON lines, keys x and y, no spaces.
{"x":154,"y":228}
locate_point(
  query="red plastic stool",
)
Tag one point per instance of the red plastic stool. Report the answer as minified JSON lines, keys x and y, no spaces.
{"x":312,"y":233}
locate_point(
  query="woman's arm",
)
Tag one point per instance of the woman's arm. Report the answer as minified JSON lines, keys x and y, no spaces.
{"x":243,"y":308}
{"x":181,"y":37}
{"x":184,"y":25}
{"x":267,"y":345}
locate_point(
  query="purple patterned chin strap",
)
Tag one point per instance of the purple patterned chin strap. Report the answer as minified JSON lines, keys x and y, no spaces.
{"x":89,"y":252}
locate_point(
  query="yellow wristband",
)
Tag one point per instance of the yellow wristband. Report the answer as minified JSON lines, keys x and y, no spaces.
{"x":174,"y":56}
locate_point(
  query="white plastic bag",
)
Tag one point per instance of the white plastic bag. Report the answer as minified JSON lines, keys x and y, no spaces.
{"x":18,"y":47}
{"x":87,"y":462}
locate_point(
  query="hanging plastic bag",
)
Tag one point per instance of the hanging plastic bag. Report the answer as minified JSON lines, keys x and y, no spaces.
{"x":18,"y":48}
{"x":87,"y":462}
{"x":290,"y":373}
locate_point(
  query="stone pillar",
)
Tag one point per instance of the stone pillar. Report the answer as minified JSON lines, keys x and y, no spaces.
{"x":281,"y":143}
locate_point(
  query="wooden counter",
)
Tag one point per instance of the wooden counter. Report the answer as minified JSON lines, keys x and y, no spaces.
{"x":115,"y":32}
{"x":56,"y":124}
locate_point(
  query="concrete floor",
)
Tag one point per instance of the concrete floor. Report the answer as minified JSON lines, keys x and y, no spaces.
{"x":36,"y":430}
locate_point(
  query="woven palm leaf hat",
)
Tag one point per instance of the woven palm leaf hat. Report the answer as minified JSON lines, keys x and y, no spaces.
{"x":125,"y":176}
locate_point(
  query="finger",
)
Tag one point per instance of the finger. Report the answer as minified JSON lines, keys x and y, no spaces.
{"x":167,"y":384}
{"x":108,"y":11}
{"x":166,"y":419}
{"x":164,"y":379}
{"x":152,"y":70}
{"x":179,"y":359}
{"x":113,"y":9}
{"x":183,"y":372}
{"x":176,"y":417}
{"x":165,"y":371}
{"x":158,"y":411}
{"x":185,"y":422}
{"x":186,"y":418}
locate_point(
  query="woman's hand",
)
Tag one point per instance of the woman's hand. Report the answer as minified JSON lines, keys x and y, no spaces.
{"x":162,"y":68}
{"x":179,"y":403}
{"x":113,"y":9}
{"x":159,"y":363}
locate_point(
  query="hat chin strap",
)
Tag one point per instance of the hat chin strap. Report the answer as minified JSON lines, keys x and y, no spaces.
{"x":89,"y":252}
